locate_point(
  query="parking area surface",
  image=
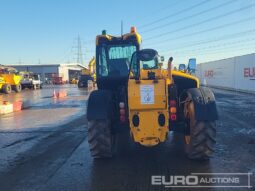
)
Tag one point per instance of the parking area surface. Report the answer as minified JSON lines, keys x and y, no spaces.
{"x":44,"y":147}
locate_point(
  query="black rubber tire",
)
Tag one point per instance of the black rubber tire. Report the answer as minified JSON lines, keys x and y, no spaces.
{"x":202,"y":136}
{"x":7,"y":88}
{"x":100,"y":138}
{"x":18,"y":88}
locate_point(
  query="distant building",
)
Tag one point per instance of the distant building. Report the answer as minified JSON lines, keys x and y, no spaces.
{"x":48,"y":71}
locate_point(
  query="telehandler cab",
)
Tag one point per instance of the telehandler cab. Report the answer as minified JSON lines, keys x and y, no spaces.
{"x":135,"y":92}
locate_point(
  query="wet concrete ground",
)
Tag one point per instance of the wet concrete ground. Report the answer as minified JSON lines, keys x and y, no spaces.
{"x":45,"y":155}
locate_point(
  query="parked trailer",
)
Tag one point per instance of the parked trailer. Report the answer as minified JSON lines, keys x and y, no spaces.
{"x":237,"y":73}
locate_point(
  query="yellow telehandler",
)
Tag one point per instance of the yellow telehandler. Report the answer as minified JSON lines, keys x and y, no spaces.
{"x":9,"y":80}
{"x":135,"y":92}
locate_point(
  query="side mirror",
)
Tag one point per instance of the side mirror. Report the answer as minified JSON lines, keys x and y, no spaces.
{"x":192,"y":65}
{"x":182,"y":67}
{"x":162,"y":58}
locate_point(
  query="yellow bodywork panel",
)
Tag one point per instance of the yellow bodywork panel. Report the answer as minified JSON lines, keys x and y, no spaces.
{"x":128,"y":35}
{"x":148,"y":100}
{"x":157,"y":72}
{"x":185,"y":75}
{"x":11,"y":79}
{"x":92,"y":68}
{"x":147,"y":95}
{"x":149,"y":133}
{"x":125,"y":37}
{"x":92,"y":65}
{"x":2,"y":82}
{"x":108,"y":37}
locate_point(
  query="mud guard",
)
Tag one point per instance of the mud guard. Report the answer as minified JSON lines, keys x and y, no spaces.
{"x":204,"y":103}
{"x":99,"y":105}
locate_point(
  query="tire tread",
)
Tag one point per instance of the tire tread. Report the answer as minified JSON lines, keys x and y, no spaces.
{"x":99,"y":138}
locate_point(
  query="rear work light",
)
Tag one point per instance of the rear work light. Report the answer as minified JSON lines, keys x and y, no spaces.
{"x":133,"y":30}
{"x":122,"y":111}
{"x":173,"y":110}
{"x":173,"y":117}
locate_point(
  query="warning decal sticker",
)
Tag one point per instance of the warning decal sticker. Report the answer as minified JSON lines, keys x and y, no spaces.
{"x":147,"y":94}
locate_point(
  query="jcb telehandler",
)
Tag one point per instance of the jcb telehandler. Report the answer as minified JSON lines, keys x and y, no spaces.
{"x":135,"y":92}
{"x":9,"y":80}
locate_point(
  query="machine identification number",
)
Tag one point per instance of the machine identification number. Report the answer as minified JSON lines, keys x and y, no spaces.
{"x":147,"y":94}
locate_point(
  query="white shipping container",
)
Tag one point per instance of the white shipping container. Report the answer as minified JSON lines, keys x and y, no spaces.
{"x":236,"y":73}
{"x":245,"y":73}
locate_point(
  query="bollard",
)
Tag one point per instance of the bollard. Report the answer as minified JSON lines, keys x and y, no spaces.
{"x":6,"y":107}
{"x":17,"y":106}
{"x":62,"y":94}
